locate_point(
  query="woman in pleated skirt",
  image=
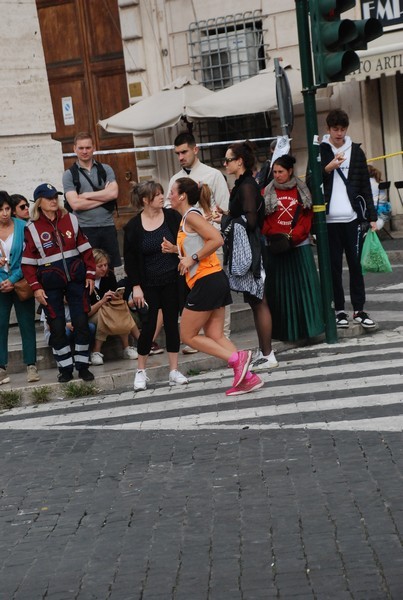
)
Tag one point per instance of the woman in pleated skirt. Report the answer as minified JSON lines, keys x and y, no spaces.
{"x":292,"y":282}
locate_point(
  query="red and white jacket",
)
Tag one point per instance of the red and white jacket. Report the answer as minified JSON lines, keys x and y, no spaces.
{"x":55,"y":243}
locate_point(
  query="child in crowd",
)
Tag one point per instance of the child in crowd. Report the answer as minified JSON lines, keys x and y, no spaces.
{"x":104,"y":291}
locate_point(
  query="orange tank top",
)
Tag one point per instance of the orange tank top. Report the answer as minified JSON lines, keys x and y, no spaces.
{"x":189,"y":243}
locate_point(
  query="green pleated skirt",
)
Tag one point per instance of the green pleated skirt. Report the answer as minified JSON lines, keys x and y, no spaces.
{"x":293,"y":294}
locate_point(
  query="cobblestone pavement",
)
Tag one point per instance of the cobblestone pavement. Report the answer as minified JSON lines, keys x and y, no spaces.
{"x":294,"y":491}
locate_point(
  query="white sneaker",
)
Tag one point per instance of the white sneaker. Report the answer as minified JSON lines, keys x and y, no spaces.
{"x":189,"y":350}
{"x":32,"y":374}
{"x":263,"y":363}
{"x":130,"y":353}
{"x":96,"y":359}
{"x":176,"y":378}
{"x":4,"y":378}
{"x":364,"y":319}
{"x":140,"y":380}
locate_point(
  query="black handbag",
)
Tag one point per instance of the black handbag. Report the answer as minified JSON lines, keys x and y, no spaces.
{"x":278,"y":243}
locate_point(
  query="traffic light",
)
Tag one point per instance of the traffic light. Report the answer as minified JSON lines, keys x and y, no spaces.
{"x":335,"y":40}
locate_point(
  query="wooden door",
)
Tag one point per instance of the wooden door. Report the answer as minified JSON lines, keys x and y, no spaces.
{"x":83,"y":50}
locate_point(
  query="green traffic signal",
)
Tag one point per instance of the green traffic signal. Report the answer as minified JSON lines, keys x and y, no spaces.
{"x":368,"y":30}
{"x":338,"y":64}
{"x":333,"y":32}
{"x":334,"y":40}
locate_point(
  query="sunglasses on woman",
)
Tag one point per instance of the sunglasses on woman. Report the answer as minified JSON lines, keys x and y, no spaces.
{"x":23,"y":206}
{"x":228,"y":160}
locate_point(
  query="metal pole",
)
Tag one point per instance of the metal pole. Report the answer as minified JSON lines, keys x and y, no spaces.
{"x":280,"y":100}
{"x":315,"y":170}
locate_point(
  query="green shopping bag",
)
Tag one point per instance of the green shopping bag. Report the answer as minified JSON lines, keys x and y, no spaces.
{"x":373,"y":257}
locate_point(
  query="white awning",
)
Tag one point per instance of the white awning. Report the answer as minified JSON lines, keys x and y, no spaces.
{"x":162,"y":109}
{"x":254,"y":95}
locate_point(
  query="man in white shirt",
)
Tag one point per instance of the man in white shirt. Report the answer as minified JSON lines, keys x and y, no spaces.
{"x":345,"y":181}
{"x":187,"y":150}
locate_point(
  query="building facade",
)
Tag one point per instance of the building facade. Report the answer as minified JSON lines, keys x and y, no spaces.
{"x":28,"y":154}
{"x":121,"y":51}
{"x":221,"y":43}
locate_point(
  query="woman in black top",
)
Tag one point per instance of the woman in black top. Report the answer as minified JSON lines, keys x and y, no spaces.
{"x":153,"y":275}
{"x":246,"y":200}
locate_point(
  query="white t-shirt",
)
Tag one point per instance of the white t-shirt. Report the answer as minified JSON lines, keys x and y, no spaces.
{"x":340,"y":209}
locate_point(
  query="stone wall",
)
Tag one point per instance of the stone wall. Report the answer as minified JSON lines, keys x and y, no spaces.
{"x":28,"y":155}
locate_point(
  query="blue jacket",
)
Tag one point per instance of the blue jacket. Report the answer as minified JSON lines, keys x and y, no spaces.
{"x":14,"y":265}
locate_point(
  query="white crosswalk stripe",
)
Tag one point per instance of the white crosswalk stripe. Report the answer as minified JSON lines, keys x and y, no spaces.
{"x":343,"y":386}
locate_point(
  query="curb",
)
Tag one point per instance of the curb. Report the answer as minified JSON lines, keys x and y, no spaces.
{"x":119,"y":380}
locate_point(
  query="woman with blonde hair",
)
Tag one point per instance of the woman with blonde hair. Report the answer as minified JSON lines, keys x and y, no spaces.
{"x":58,"y":264}
{"x":153,"y":275}
{"x":105,"y":291}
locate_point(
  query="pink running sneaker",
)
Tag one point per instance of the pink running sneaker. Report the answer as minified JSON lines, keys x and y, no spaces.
{"x":241,"y":366}
{"x":247,"y":385}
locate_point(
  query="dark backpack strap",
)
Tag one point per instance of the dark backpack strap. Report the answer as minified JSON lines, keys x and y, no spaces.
{"x":296,"y":215}
{"x":76,"y":170}
{"x":346,"y":183}
{"x":76,"y":182}
{"x":101,"y":173}
{"x":84,"y":174}
{"x":76,"y":177}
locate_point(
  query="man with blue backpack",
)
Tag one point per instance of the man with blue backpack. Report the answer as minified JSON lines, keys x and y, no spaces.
{"x":91,"y":190}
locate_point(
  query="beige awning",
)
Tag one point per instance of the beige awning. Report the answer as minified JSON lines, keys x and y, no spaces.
{"x":254,"y":95}
{"x":162,"y":109}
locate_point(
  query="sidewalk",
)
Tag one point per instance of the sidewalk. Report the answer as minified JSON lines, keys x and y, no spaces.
{"x":117,"y":374}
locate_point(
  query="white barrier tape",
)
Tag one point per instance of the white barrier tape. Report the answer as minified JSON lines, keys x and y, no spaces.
{"x":170,"y":147}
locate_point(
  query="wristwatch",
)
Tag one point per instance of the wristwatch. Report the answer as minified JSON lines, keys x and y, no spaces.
{"x":195,"y":258}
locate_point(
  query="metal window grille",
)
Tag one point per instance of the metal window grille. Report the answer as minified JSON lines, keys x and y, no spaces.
{"x":226,"y":50}
{"x":232,"y":128}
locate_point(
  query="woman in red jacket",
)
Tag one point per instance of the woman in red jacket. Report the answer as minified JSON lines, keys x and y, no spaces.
{"x":58,"y":264}
{"x":292,"y":283}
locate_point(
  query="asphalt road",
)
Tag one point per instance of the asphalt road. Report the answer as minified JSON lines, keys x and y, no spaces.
{"x":294,"y":491}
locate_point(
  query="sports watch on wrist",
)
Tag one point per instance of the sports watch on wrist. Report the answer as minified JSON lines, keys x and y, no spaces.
{"x":195,"y":257}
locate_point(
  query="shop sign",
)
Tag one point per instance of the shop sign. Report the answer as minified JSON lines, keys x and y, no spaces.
{"x":389,"y":12}
{"x":375,"y":64}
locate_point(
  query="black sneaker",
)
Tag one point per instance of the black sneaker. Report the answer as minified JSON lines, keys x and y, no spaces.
{"x":342,"y":320}
{"x":86,"y":375}
{"x":65,"y":376}
{"x":364,"y":320}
